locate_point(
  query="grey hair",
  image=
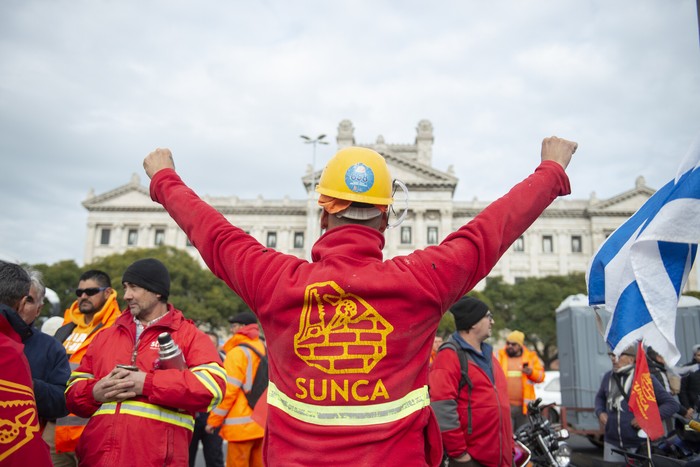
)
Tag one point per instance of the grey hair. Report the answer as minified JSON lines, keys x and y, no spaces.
{"x":37,"y":279}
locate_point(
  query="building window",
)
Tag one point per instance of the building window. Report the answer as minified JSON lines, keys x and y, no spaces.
{"x":188,"y":242}
{"x":576,"y":244}
{"x":406,"y":236}
{"x":519,"y":244}
{"x":298,"y":240}
{"x":159,"y":238}
{"x":432,"y":235}
{"x":104,"y":236}
{"x":547,"y":244}
{"x":132,"y":237}
{"x":272,"y":239}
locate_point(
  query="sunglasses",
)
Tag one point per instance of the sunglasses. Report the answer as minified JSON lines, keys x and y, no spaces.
{"x":90,"y":291}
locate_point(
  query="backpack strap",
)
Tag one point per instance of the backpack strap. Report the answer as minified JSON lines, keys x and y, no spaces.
{"x":64,"y":331}
{"x":248,"y":346}
{"x":464,"y":358}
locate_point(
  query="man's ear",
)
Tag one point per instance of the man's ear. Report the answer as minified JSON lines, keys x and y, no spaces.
{"x":324,"y":220}
{"x":21,"y":303}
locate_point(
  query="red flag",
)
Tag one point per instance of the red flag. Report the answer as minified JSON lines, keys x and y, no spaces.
{"x":643,"y":400}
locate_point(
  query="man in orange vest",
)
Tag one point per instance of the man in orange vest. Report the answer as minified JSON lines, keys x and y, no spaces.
{"x":523,"y":369}
{"x":95,"y":309}
{"x":233,"y":414}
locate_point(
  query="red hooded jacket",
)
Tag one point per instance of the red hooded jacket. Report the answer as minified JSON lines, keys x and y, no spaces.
{"x":349,"y":334}
{"x":157,"y":424}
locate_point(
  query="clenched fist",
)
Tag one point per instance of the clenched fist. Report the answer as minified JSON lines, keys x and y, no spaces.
{"x":558,"y":150}
{"x":158,"y":160}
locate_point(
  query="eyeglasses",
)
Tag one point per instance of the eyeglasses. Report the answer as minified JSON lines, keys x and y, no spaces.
{"x":90,"y":291}
{"x":489,"y":315}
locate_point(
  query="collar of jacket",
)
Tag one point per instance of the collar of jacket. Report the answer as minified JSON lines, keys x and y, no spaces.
{"x":21,"y":328}
{"x":355,"y":241}
{"x":74,"y":315}
{"x":172,"y":319}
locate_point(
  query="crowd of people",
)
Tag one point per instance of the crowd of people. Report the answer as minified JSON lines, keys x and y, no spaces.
{"x":355,"y":378}
{"x":356,"y":375}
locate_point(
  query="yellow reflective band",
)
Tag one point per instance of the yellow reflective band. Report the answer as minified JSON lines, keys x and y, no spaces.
{"x":213,"y":368}
{"x":205,"y":374}
{"x":75,"y":377}
{"x":514,"y":373}
{"x":153,"y":412}
{"x":349,"y":415}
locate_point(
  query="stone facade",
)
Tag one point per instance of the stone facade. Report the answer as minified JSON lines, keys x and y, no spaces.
{"x":561,"y":241}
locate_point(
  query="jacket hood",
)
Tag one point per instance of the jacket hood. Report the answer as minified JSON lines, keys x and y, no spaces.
{"x":110,"y":308}
{"x":352,"y":240}
{"x":247,"y":333}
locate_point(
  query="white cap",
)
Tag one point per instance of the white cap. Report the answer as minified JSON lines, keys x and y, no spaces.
{"x":51,"y":325}
{"x":359,"y":214}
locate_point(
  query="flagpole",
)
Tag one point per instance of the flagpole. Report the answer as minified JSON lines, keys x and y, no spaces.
{"x":651,"y":461}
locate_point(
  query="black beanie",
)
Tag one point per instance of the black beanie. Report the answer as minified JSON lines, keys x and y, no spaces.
{"x":467,"y":312}
{"x":150,"y":274}
{"x":245,"y":317}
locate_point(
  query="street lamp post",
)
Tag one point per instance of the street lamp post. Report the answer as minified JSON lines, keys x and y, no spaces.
{"x":315,"y":141}
{"x":312,"y":226}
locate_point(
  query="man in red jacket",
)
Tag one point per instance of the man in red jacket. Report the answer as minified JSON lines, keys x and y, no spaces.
{"x":472,"y":409}
{"x":21,"y":441}
{"x":144,"y":415}
{"x":349,"y":333}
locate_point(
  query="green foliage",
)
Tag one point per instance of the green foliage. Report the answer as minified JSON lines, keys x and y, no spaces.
{"x":200,"y":295}
{"x":530,"y":305}
{"x":692,"y":293}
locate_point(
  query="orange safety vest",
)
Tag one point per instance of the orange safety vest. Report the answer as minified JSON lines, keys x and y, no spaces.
{"x":70,"y":427}
{"x":233,"y":414}
{"x":537,"y":375}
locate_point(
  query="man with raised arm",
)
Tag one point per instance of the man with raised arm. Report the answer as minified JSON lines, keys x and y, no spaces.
{"x":349,"y":333}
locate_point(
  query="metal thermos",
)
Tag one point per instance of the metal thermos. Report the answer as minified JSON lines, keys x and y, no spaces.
{"x":169,"y":354}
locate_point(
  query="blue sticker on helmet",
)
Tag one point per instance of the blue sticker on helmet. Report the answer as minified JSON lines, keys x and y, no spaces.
{"x":359,"y":178}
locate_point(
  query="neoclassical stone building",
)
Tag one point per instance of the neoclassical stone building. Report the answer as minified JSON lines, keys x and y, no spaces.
{"x":561,"y":241}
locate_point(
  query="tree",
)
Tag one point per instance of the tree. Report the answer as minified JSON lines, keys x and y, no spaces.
{"x":530,"y":305}
{"x":196,"y":291}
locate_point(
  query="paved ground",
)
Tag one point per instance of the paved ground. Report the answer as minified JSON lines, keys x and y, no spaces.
{"x":585,"y":454}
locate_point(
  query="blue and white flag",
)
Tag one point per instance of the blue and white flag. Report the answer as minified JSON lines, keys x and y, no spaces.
{"x":640,"y":270}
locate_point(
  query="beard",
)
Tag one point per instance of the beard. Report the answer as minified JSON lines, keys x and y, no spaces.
{"x":86,"y":308}
{"x":514,"y":352}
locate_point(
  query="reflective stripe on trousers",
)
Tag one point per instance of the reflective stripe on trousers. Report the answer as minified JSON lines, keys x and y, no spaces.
{"x":349,"y":415}
{"x":151,"y":411}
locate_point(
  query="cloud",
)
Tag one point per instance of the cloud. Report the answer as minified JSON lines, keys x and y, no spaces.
{"x":88,"y":88}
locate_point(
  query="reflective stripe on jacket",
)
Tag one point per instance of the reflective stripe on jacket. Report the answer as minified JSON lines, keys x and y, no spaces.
{"x":529,"y":382}
{"x":158,"y":423}
{"x":233,"y":414}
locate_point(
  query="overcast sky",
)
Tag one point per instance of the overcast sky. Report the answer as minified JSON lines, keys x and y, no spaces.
{"x":88,"y":88}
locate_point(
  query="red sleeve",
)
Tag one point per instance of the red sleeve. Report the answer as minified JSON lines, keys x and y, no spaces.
{"x":468,"y":255}
{"x":230,"y":253}
{"x":79,"y":398}
{"x":198,"y":389}
{"x":444,"y":378}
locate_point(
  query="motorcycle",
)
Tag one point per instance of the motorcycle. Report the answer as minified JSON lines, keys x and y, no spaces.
{"x":674,"y":450}
{"x":538,"y":442}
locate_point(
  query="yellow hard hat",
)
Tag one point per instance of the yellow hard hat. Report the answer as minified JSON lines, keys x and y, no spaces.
{"x":357,"y":174}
